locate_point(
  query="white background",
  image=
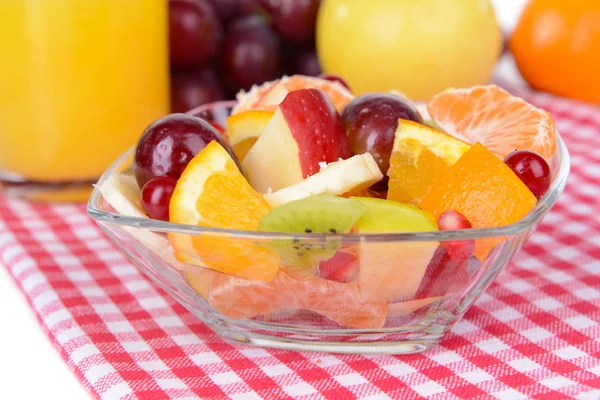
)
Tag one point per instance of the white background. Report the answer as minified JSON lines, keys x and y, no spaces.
{"x":29,"y":366}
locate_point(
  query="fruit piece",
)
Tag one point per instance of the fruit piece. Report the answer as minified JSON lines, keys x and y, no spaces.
{"x":401,"y":309}
{"x":192,"y":89}
{"x":213,"y":193}
{"x":353,"y":175}
{"x":269,"y":95}
{"x":420,"y":156}
{"x":245,"y":128}
{"x":412,"y":46}
{"x":391,"y":272}
{"x":371,"y":121}
{"x":452,"y":221}
{"x":340,"y":302}
{"x":444,"y":275}
{"x":250,"y":53}
{"x":336,"y":78}
{"x":342,"y":267}
{"x":156,"y":195}
{"x":492,"y":116}
{"x":169,"y":143}
{"x":323,"y":213}
{"x":305,"y":131}
{"x":195,"y":33}
{"x":200,"y":279}
{"x":294,"y":20}
{"x":483,"y":189}
{"x":557,"y":38}
{"x":122,"y":192}
{"x":532,"y":169}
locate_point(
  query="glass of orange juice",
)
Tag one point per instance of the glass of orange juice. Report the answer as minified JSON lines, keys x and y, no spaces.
{"x":79,"y":81}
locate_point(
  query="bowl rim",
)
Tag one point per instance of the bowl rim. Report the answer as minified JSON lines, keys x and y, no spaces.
{"x":530,"y":220}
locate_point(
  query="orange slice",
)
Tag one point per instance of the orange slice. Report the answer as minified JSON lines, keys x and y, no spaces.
{"x":420,"y":156}
{"x":212,"y":192}
{"x":340,"y":302}
{"x":245,"y":128}
{"x":492,"y":116}
{"x":270,"y":94}
{"x":483,"y":189}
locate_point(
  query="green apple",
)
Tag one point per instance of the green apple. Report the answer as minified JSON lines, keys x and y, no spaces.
{"x":392,"y":270}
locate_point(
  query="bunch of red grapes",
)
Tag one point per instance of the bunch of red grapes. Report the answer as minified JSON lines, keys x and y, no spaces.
{"x":218,"y":47}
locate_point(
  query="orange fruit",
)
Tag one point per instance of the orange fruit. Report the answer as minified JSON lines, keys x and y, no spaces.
{"x":483,"y":189}
{"x":244,"y":129}
{"x":340,"y":302}
{"x":556,"y":45}
{"x":492,"y":116}
{"x":420,"y":155}
{"x":212,"y":192}
{"x":269,"y":95}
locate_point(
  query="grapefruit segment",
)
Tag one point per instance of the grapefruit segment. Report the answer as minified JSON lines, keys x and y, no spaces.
{"x":340,"y":302}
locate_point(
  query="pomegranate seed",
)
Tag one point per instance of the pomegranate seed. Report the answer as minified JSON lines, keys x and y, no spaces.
{"x":452,"y":221}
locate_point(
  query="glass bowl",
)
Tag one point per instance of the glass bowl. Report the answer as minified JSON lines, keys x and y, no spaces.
{"x":388,"y":309}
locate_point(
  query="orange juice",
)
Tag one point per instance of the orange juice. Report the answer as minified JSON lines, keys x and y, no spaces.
{"x":79,"y":81}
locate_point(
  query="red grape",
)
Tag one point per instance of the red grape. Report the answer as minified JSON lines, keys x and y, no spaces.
{"x":191,"y":89}
{"x":170,"y":143}
{"x":335,"y":78}
{"x":250,"y":53}
{"x":295,"y":20}
{"x":156,"y":195}
{"x":305,"y":62}
{"x":195,"y":33}
{"x":371,"y":121}
{"x":532,"y":169}
{"x":230,"y":9}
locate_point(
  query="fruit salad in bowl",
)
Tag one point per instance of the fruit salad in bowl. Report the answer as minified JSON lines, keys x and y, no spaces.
{"x":303,"y":217}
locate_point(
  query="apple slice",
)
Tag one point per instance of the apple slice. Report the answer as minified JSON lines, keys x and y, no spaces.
{"x":351,"y":175}
{"x":305,"y":131}
{"x":390,"y":272}
{"x":244,"y":129}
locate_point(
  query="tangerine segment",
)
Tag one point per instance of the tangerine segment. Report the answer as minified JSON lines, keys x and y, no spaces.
{"x":492,"y":116}
{"x":340,"y":302}
{"x":269,"y":95}
{"x":483,"y":189}
{"x":212,"y":192}
{"x":421,"y":154}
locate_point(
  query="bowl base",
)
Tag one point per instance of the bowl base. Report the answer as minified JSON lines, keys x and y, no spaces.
{"x":361,"y":346}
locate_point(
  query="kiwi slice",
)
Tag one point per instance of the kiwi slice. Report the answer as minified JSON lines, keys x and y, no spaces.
{"x":323,"y":213}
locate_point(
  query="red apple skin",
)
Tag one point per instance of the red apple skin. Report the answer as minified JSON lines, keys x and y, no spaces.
{"x":317,"y":128}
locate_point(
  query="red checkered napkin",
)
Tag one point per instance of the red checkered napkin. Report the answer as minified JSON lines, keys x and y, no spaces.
{"x":533,"y":334}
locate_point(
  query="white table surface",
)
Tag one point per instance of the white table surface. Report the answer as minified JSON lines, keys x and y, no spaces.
{"x":30,"y":367}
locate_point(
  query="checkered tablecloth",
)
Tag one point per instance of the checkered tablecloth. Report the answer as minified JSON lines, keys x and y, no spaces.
{"x":535,"y":333}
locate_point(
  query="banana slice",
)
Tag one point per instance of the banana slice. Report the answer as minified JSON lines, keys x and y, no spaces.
{"x":121,"y":191}
{"x":353,"y":175}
